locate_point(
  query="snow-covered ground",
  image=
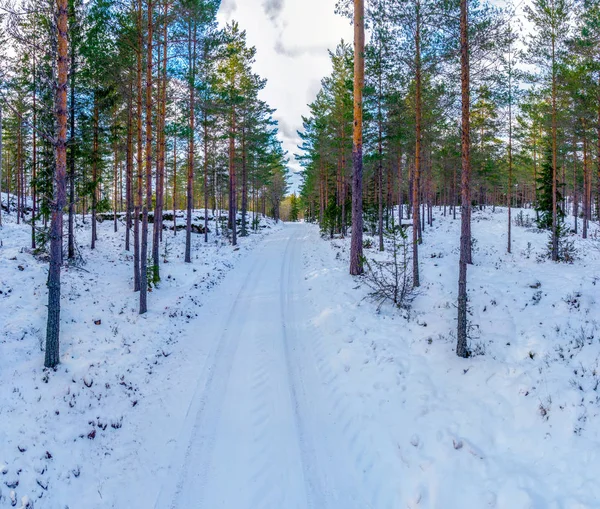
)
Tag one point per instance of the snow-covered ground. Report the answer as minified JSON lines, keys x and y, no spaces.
{"x":91,"y":433}
{"x":282,"y":387}
{"x":517,"y":427}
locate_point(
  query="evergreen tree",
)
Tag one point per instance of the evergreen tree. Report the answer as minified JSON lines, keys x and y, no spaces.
{"x":545,"y":190}
{"x":294,"y":208}
{"x":547,"y":46}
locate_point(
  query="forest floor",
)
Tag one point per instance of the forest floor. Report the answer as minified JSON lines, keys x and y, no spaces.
{"x":263,"y":378}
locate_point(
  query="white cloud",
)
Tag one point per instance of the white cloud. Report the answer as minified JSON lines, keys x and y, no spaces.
{"x":228,"y":7}
{"x":273,"y":8}
{"x":291,"y":38}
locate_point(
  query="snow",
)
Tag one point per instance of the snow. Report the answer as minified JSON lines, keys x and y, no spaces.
{"x":101,"y":422}
{"x":262,"y":377}
{"x":516,"y":427}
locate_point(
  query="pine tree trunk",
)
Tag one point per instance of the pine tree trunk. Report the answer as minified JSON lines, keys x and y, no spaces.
{"x":161,"y":140}
{"x":129,"y":173}
{"x":244,"y":185}
{"x":139,"y":149}
{"x":174,"y":185}
{"x":400,"y":194}
{"x":71,"y":232}
{"x":19,"y":169}
{"x":586,"y":180}
{"x":52,"y":357}
{"x":575,"y":197}
{"x":163,"y":137}
{"x":192,"y":119}
{"x":148,"y":202}
{"x":587,"y":176}
{"x":380,"y":153}
{"x":343,"y":181}
{"x":115,"y":172}
{"x":34,"y":156}
{"x":417,"y":166}
{"x":138,"y":202}
{"x":95,"y":158}
{"x":206,"y":172}
{"x":356,"y":245}
{"x":598,"y":156}
{"x":232,"y":183}
{"x":8,"y":178}
{"x":510,"y":159}
{"x":159,"y":133}
{"x":554,"y":154}
{"x":465,"y":236}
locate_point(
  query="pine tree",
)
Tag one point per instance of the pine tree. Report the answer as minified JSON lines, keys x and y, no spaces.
{"x":550,"y":19}
{"x":462,"y":349}
{"x":545,"y":191}
{"x":294,"y":208}
{"x":356,"y":248}
{"x":60,"y":199}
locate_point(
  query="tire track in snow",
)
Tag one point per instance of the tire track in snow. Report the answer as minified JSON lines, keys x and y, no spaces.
{"x":314,"y":489}
{"x":265,"y":431}
{"x":372,"y":470}
{"x":267,"y":478}
{"x":331,"y":483}
{"x":243,"y":450}
{"x":211,"y":386}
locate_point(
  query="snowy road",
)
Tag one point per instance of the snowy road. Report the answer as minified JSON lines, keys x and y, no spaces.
{"x":261,"y":431}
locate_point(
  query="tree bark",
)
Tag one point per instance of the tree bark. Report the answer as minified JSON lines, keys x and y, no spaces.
{"x":205,"y":170}
{"x":34,"y":155}
{"x":95,"y":157}
{"x":129,"y":173}
{"x":554,"y":153}
{"x":138,"y":202}
{"x":159,"y":134}
{"x":510,"y":155}
{"x":161,"y":140}
{"x":52,"y":357}
{"x":71,"y":232}
{"x":356,"y":244}
{"x":417,"y":166}
{"x":175,"y":185}
{"x":380,"y":155}
{"x":244,"y":185}
{"x":575,"y":197}
{"x":587,"y":181}
{"x":19,"y":168}
{"x":148,"y":201}
{"x":115,"y":172}
{"x":400,"y":193}
{"x":465,"y":237}
{"x":598,"y":155}
{"x":232,"y":182}
{"x":192,"y":119}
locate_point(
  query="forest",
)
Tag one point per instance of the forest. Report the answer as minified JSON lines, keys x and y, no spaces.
{"x":466,"y":104}
{"x":401,"y":313}
{"x":103,"y":103}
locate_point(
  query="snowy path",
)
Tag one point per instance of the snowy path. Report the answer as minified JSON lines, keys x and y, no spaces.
{"x":261,"y":431}
{"x":262,"y":378}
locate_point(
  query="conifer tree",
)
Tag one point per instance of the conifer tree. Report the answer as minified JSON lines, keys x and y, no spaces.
{"x":462,"y":349}
{"x":547,"y":46}
{"x":356,"y":248}
{"x":59,"y":198}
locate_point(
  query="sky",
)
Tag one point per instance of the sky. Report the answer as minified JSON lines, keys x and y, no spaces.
{"x":291,"y":38}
